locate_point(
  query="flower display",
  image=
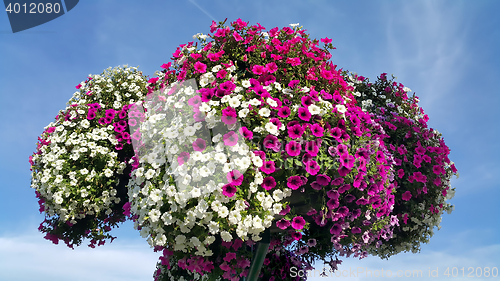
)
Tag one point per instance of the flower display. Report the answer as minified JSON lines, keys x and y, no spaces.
{"x":80,"y":169}
{"x":423,"y":169}
{"x":249,"y":137}
{"x":241,"y":123}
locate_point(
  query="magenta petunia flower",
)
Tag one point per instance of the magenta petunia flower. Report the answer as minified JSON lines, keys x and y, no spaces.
{"x":200,"y":67}
{"x":356,"y":230}
{"x":183,"y":157}
{"x":304,"y":114}
{"x":293,"y":148}
{"x":294,"y":182}
{"x":199,"y":144}
{"x":285,"y":211}
{"x":343,"y":211}
{"x":292,"y":84}
{"x":283,"y":223}
{"x":296,"y":236}
{"x":271,"y":67}
{"x":259,"y":69}
{"x":234,"y":177}
{"x":228,"y":115}
{"x":401,"y":173}
{"x":230,"y":139}
{"x":312,"y":148}
{"x":332,"y":204}
{"x":269,"y":183}
{"x":246,"y":133}
{"x":317,"y":130}
{"x":323,"y":180}
{"x":268,"y":167}
{"x":110,"y":113}
{"x":312,"y":167}
{"x":293,"y":61}
{"x":195,"y":101}
{"x":336,"y":229}
{"x":295,"y":131}
{"x":91,"y":115}
{"x":306,"y":101}
{"x":344,"y":188}
{"x":316,"y":186}
{"x":333,"y":194}
{"x":284,"y":112}
{"x":406,"y":196}
{"x":227,"y":86}
{"x":347,"y":160}
{"x":229,"y":190}
{"x":272,"y":142}
{"x":298,"y":223}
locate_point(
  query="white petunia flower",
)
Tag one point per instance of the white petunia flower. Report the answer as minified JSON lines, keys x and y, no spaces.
{"x":264,"y":112}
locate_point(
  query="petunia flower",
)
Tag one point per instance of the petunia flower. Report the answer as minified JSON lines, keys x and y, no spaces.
{"x":298,"y":223}
{"x":294,"y":182}
{"x":268,"y":167}
{"x":269,"y":183}
{"x":293,"y":148}
{"x":230,"y":139}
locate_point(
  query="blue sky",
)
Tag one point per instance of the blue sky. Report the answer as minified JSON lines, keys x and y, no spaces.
{"x":445,"y":51}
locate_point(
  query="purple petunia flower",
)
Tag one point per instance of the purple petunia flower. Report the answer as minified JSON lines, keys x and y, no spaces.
{"x":246,"y":133}
{"x":344,"y":188}
{"x":312,"y":148}
{"x":284,"y":112}
{"x":271,"y":142}
{"x":317,"y":130}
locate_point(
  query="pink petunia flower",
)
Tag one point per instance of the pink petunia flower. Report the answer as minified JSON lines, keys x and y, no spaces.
{"x":199,"y":144}
{"x":230,"y":139}
{"x":200,"y":67}
{"x":183,"y":157}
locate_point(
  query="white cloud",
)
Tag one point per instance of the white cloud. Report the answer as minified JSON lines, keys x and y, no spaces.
{"x":29,"y":257}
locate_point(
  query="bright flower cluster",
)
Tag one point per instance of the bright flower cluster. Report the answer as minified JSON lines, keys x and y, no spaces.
{"x":423,"y":169}
{"x":248,"y":134}
{"x":272,"y":119}
{"x":79,"y":170}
